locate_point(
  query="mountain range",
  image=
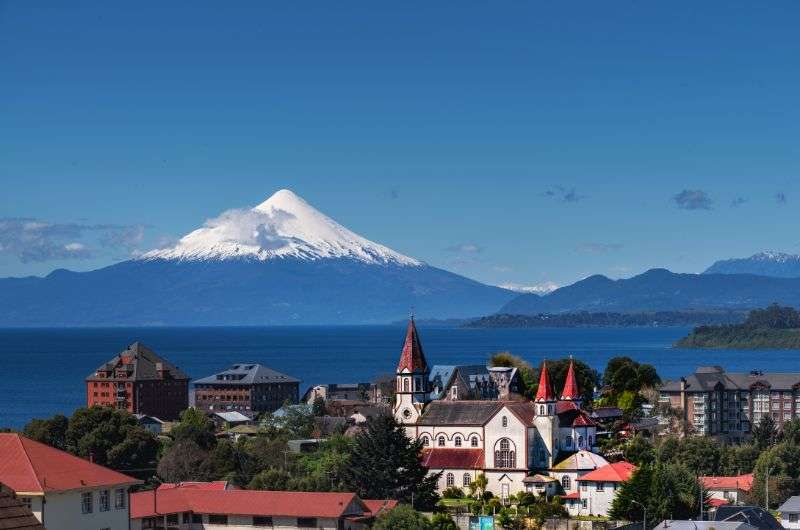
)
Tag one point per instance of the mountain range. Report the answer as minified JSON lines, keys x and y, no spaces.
{"x":768,"y":263}
{"x":281,"y":262}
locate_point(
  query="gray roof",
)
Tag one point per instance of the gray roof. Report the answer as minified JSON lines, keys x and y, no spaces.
{"x":706,"y":378}
{"x":146,"y":364}
{"x":247,"y":374}
{"x":441,"y":375}
{"x":792,"y":505}
{"x":459,"y":412}
{"x":703,"y":525}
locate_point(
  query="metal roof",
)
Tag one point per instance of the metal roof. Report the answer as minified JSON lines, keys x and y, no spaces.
{"x":246,"y":374}
{"x":706,"y":378}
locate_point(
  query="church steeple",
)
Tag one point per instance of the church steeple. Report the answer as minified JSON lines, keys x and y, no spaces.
{"x":545,"y":397}
{"x":571,"y":391}
{"x":411,"y":392}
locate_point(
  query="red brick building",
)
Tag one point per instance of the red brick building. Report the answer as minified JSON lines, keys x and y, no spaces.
{"x":140,"y":382}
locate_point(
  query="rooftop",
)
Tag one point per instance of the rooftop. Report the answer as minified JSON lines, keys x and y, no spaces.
{"x":616,"y":472}
{"x":139,"y":363}
{"x":246,"y":374}
{"x":581,"y":461}
{"x":706,"y":378}
{"x":739,"y":482}
{"x":452,"y":458}
{"x":36,"y":468}
{"x":459,"y":412}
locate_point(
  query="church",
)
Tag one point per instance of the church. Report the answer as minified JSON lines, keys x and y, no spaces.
{"x":506,"y":437}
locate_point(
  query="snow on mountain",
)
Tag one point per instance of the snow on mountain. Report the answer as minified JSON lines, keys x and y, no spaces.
{"x":283,"y":226}
{"x":540,"y":289}
{"x":767,"y":263}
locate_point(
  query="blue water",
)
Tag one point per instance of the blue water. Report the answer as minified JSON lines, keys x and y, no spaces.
{"x":42,"y":370}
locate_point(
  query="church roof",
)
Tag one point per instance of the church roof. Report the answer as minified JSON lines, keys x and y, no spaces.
{"x":524,"y":410}
{"x":459,"y":412}
{"x":452,"y":458}
{"x":545,"y":390}
{"x":412,"y":357}
{"x":571,"y":384}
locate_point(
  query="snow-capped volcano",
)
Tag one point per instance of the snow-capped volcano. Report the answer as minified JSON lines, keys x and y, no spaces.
{"x":283,"y":226}
{"x":766,"y":263}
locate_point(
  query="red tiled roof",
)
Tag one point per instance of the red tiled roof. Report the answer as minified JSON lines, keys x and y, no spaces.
{"x":716,"y":503}
{"x":570,"y":385}
{"x":245,"y":502}
{"x":545,"y":391}
{"x":616,"y":472}
{"x":377,"y":507}
{"x":412,"y":358}
{"x":573,"y":495}
{"x":740,"y":482}
{"x":583,"y":420}
{"x":452,"y":458}
{"x":33,"y":467}
{"x":214,"y":486}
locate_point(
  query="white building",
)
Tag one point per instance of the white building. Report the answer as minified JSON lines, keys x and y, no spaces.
{"x":790,"y":512}
{"x":64,"y":492}
{"x":727,"y":490}
{"x":506,"y":440}
{"x":597,"y":489}
{"x":575,"y":466}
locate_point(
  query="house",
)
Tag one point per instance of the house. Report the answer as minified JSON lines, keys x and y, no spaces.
{"x":240,"y":431}
{"x":474,"y":382}
{"x":597,"y":489}
{"x":752,"y":515}
{"x":727,"y":490}
{"x":195,"y":508}
{"x":726,"y":405}
{"x":230,"y":419}
{"x":245,"y":387}
{"x":151,"y":423}
{"x":141,"y":382}
{"x":570,"y":469}
{"x":363,"y":392}
{"x":506,"y":440}
{"x":790,"y":512}
{"x":541,"y":485}
{"x":15,"y":514}
{"x":64,"y":492}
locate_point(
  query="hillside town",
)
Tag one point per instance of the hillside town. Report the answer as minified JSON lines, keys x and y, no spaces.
{"x":501,"y":445}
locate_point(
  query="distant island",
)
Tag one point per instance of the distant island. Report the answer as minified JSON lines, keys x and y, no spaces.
{"x":775,"y":327}
{"x":586,"y":319}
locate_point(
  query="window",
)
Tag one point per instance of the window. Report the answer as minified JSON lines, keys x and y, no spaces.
{"x":119,"y":498}
{"x":474,"y":441}
{"x":566,"y":482}
{"x":405,"y":385}
{"x":568,"y":442}
{"x":417,"y":384}
{"x":458,"y":441}
{"x":172,"y":518}
{"x":306,"y":522}
{"x":504,"y":455}
{"x":583,"y":503}
{"x":441,"y":441}
{"x":467,"y":480}
{"x":541,"y":410}
{"x":187,"y":517}
{"x":584,"y":486}
{"x":104,"y":501}
{"x":580,"y":441}
{"x":505,"y":421}
{"x":262,"y":521}
{"x":792,"y":517}
{"x":87,"y":502}
{"x":26,"y":501}
{"x":600,"y":486}
{"x":451,"y":480}
{"x":425,"y":441}
{"x":590,"y":441}
{"x":216,"y":518}
{"x":197,"y":518}
{"x":454,"y":392}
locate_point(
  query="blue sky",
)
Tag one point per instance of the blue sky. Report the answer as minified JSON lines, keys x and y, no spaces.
{"x":519,"y":142}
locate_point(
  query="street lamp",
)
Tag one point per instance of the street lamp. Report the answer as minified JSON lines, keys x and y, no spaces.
{"x":644,"y":519}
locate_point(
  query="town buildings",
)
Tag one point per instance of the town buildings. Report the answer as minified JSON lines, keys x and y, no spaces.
{"x":194,"y":507}
{"x":727,"y":405}
{"x":249,"y":388}
{"x":141,"y":382}
{"x":343,"y":391}
{"x":727,"y":490}
{"x":790,"y":512}
{"x":62,"y":491}
{"x":506,"y":440}
{"x":575,"y":466}
{"x":597,"y":489}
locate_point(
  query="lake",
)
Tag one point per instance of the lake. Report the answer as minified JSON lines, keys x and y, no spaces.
{"x":43,"y":370}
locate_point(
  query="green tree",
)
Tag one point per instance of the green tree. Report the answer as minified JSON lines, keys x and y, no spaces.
{"x":765,"y":433}
{"x":443,"y":521}
{"x":271,"y":479}
{"x":402,"y":518}
{"x":318,"y":408}
{"x":623,"y":373}
{"x":194,"y":425}
{"x":185,"y":461}
{"x":478,"y":486}
{"x":385,"y":464}
{"x":782,"y":464}
{"x":52,"y":431}
{"x":110,"y":437}
{"x":639,"y":451}
{"x":636,"y":488}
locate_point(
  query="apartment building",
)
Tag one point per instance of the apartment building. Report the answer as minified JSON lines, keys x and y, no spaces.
{"x":248,"y":388}
{"x":727,"y":405}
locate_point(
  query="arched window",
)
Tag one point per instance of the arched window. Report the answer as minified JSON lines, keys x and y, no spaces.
{"x":541,"y":410}
{"x":580,"y":441}
{"x":590,"y":441}
{"x":425,"y":441}
{"x":505,"y":421}
{"x":504,"y":455}
{"x":568,"y":442}
{"x":441,"y":441}
{"x":417,"y":384}
{"x":566,"y":483}
{"x":474,"y":441}
{"x":467,"y":480}
{"x":405,"y":385}
{"x":458,"y":441}
{"x":451,"y":480}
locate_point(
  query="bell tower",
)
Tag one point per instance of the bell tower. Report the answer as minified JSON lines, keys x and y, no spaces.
{"x":545,"y":421}
{"x":411,"y":390}
{"x":571,"y":391}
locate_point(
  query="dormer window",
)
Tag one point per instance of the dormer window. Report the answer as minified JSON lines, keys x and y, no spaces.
{"x":454,"y":392}
{"x":505,"y":421}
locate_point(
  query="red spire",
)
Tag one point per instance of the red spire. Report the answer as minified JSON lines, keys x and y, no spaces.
{"x":571,"y":391}
{"x":545,"y":391}
{"x":412,"y":358}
